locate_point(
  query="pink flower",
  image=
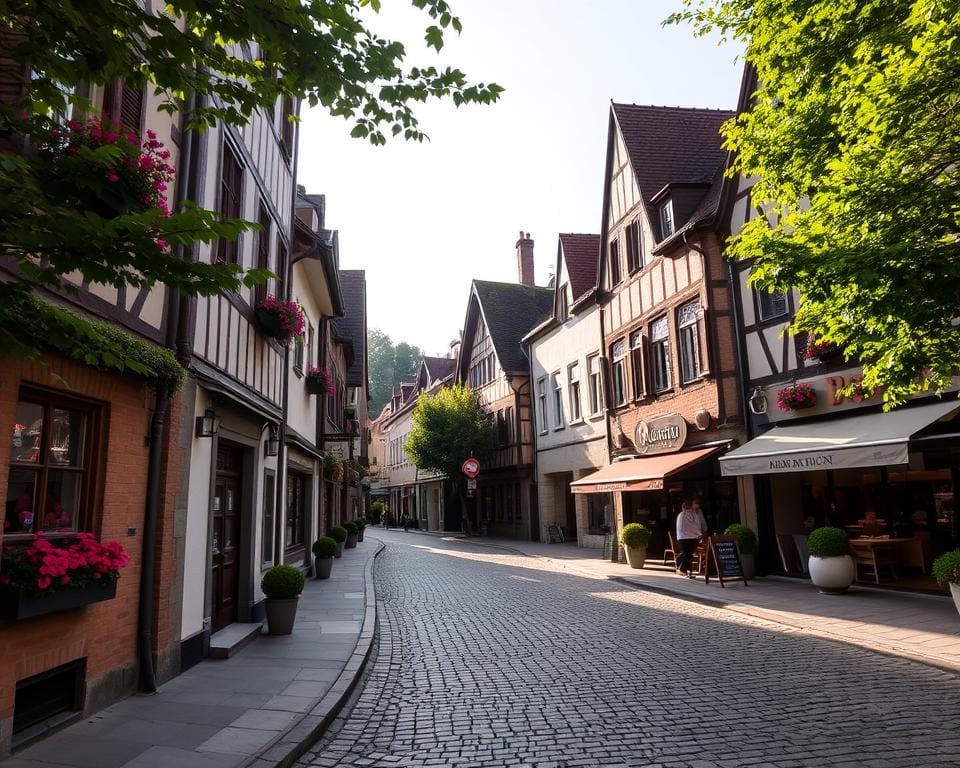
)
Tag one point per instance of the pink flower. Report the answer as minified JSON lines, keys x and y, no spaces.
{"x":43,"y":582}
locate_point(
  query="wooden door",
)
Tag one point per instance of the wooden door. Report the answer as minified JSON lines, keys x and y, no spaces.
{"x":226,"y":537}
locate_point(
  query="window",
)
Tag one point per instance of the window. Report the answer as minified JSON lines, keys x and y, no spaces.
{"x":508,"y":423}
{"x":281,"y":264}
{"x":288,"y":127}
{"x":542,"y":404}
{"x":311,"y":342}
{"x":502,"y":437}
{"x":618,"y":354}
{"x":52,"y":455}
{"x":688,"y":321}
{"x":564,"y":303}
{"x":660,"y":354}
{"x":634,"y":254}
{"x":269,"y":497}
{"x":296,"y":502}
{"x":666,"y":218}
{"x":298,"y":355}
{"x":573,"y":379}
{"x":123,"y":104}
{"x":263,"y":251}
{"x":637,"y":365}
{"x":615,"y":274}
{"x":231,"y":206}
{"x":596,"y":384}
{"x":557,"y":387}
{"x":772,"y":304}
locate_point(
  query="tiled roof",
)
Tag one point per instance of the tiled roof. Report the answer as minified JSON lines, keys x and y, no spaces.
{"x":353,"y":286}
{"x":439,"y":367}
{"x":581,"y":254}
{"x":672,"y":145}
{"x":510,"y":310}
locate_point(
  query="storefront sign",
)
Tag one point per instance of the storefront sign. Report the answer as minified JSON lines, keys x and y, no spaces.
{"x":625,"y":485}
{"x":663,"y":434}
{"x":840,"y":458}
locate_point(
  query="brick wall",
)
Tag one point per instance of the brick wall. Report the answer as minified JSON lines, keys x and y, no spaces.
{"x":104,"y":633}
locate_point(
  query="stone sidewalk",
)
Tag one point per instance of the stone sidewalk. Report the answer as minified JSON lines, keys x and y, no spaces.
{"x":925,"y":628}
{"x":261,"y":707}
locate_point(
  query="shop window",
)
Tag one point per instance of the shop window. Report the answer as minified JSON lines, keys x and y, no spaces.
{"x":596,"y":385}
{"x":53,"y":455}
{"x":557,"y":386}
{"x":573,"y":379}
{"x":689,"y":320}
{"x":618,"y":355}
{"x":660,"y":354}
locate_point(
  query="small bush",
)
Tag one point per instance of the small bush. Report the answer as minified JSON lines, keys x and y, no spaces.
{"x":377,"y":508}
{"x":338,"y":533}
{"x":360,"y":523}
{"x":946,"y":568}
{"x":635,"y":535}
{"x":350,"y":528}
{"x":324,"y":547}
{"x":828,"y":542}
{"x":746,"y":538}
{"x":282,"y":582}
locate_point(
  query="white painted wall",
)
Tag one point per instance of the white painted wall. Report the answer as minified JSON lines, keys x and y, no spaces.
{"x":195,"y":535}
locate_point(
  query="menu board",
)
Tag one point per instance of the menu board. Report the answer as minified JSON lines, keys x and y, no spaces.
{"x":723,"y":555}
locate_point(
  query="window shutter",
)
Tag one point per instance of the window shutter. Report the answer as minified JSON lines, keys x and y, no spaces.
{"x":131,"y":107}
{"x":705,"y":331}
{"x":13,"y":75}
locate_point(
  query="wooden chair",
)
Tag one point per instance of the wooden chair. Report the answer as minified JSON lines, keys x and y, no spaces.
{"x":873,"y":558}
{"x":670,"y":554}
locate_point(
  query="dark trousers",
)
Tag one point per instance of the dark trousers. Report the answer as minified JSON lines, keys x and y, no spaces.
{"x":687,"y":548}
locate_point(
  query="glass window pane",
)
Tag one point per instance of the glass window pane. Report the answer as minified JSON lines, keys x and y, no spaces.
{"x":27,"y":431}
{"x":21,"y":495}
{"x":62,"y":506}
{"x":658,"y":329}
{"x":66,"y":438}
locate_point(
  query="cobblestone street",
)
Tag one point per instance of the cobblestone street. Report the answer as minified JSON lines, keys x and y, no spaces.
{"x":490,"y":658}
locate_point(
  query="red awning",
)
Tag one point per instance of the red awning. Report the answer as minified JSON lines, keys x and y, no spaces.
{"x":643,"y":474}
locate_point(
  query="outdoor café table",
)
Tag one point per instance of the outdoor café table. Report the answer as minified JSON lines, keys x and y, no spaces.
{"x":906,"y":550}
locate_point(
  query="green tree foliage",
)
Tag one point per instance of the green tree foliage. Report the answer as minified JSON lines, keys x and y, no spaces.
{"x":854,"y":138}
{"x":388,"y":365}
{"x":448,"y":428}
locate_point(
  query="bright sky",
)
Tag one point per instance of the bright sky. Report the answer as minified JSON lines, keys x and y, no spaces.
{"x":423,"y":220}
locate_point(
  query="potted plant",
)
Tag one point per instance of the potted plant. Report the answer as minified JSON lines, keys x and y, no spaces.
{"x":635,"y":538}
{"x":279,"y":319}
{"x":946,"y":570}
{"x":324,"y":550}
{"x":747,"y":544}
{"x":318,"y":381}
{"x":351,"y":529}
{"x":339,"y":534}
{"x":332,"y":466}
{"x":824,"y":351}
{"x":831,"y":568}
{"x":41,"y":577}
{"x":796,"y":397}
{"x":376,"y":509}
{"x":282,"y":584}
{"x":361,"y":524}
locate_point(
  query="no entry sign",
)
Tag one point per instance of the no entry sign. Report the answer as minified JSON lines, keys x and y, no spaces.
{"x":471,"y":467}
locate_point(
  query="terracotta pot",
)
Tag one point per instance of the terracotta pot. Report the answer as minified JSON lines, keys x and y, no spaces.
{"x":832,"y":575}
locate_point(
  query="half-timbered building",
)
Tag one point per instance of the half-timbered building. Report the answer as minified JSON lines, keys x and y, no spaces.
{"x":569,"y":406}
{"x":833,"y":457}
{"x":492,"y":361}
{"x":672,"y":392}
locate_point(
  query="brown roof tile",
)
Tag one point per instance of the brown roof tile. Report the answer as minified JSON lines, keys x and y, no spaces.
{"x":581,"y":254}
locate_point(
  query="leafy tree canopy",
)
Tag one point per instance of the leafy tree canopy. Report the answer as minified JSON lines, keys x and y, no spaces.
{"x":388,"y":365}
{"x":448,"y":428}
{"x":853,"y":138}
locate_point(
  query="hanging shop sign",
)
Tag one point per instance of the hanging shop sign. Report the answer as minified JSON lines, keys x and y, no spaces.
{"x":664,"y":434}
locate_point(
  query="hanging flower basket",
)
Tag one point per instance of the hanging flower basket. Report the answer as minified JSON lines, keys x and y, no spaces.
{"x":824,"y":351}
{"x":318,"y":381}
{"x":279,"y":319}
{"x":796,"y":397}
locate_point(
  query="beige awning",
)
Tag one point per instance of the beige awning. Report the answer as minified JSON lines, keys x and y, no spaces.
{"x":868,"y":440}
{"x":643,"y":474}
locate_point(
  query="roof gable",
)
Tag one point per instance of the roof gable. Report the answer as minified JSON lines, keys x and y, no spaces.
{"x":580,"y":254}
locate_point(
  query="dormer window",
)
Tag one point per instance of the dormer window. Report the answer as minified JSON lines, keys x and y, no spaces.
{"x":563,"y":308}
{"x":666,"y":218}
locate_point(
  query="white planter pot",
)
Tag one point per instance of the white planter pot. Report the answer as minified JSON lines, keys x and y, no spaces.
{"x":636,"y":556}
{"x":955,"y":591}
{"x":832,"y":575}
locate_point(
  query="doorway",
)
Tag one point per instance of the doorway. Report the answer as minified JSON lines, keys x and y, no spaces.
{"x":225,"y":540}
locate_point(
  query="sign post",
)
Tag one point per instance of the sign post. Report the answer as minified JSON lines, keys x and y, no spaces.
{"x":471,"y":467}
{"x":724,"y":555}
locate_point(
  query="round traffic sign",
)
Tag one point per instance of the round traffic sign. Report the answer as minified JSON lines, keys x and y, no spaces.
{"x":471,"y":467}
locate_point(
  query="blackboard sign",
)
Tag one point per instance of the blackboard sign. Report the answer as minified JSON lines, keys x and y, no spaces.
{"x":723,"y":554}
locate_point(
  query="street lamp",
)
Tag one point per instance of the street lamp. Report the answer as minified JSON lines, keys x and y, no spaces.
{"x":208,"y":424}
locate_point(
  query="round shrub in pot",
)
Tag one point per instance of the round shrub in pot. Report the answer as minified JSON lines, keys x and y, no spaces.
{"x":282,"y":584}
{"x":361,"y":524}
{"x":324,"y":550}
{"x":351,"y":529}
{"x":831,"y":568}
{"x":635,"y":538}
{"x":339,"y":534}
{"x":946,"y":570}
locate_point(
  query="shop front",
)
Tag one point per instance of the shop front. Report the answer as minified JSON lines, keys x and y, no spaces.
{"x":887,"y":479}
{"x":649,"y":488}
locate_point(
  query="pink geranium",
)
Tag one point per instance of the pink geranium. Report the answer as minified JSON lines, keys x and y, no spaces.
{"x":288,"y":313}
{"x":796,"y":397}
{"x":42,"y":566}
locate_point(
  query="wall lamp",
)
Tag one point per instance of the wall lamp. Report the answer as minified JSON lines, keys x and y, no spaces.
{"x":757,"y":401}
{"x":272,"y":446}
{"x":208,"y":424}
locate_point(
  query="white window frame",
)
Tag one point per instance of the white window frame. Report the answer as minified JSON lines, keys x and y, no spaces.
{"x":689,"y":319}
{"x":771,"y":311}
{"x":596,"y":384}
{"x":544,"y":425}
{"x":618,"y":372}
{"x":556,"y":384}
{"x":666,"y":218}
{"x":660,"y":350}
{"x":573,"y":386}
{"x":638,"y":365}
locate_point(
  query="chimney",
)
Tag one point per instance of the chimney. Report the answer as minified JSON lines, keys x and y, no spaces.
{"x":525,"y":259}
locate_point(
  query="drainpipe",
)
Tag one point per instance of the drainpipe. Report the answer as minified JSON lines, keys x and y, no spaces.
{"x":148,"y":678}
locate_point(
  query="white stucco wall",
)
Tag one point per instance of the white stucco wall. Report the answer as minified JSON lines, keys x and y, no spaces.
{"x":195,"y":554}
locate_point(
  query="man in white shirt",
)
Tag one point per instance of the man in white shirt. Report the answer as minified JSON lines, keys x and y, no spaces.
{"x":691,"y":526}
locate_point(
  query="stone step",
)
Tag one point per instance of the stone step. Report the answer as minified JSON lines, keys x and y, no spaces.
{"x":232,"y":638}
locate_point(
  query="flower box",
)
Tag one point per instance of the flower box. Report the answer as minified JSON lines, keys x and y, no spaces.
{"x":269,"y":322}
{"x":318,"y":381}
{"x":17,"y":604}
{"x":279,"y":319}
{"x":796,"y":397}
{"x":824,"y":351}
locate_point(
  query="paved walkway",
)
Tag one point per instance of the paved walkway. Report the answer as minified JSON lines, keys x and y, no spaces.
{"x":261,"y":707}
{"x":920,"y":627}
